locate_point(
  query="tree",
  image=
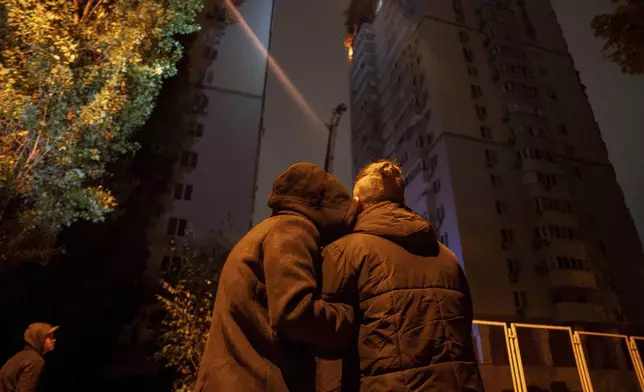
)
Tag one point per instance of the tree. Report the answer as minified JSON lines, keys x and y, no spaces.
{"x":77,"y":79}
{"x":623,"y":31}
{"x":190,"y":283}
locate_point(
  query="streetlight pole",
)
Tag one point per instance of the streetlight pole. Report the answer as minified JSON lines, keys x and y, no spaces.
{"x":332,"y":126}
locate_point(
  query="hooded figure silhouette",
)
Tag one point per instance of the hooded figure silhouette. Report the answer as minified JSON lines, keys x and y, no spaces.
{"x":21,"y":372}
{"x":268,"y":317}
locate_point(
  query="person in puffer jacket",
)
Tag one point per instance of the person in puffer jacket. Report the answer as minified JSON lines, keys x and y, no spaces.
{"x":269,"y":319}
{"x":411,"y":298}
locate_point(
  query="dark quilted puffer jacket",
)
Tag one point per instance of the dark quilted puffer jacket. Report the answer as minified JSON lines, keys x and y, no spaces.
{"x":412,"y":303}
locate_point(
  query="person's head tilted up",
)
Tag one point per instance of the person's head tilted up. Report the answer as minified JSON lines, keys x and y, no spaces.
{"x":380,"y":181}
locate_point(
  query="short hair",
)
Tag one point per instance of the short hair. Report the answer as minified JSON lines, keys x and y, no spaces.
{"x":380,"y":181}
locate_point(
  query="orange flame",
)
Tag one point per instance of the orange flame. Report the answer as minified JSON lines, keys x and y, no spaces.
{"x":348,"y":41}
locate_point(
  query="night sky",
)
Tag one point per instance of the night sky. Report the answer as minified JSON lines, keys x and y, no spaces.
{"x":307,"y":44}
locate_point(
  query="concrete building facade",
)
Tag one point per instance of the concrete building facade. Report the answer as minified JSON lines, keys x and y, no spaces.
{"x":214,"y":185}
{"x":480,"y":102}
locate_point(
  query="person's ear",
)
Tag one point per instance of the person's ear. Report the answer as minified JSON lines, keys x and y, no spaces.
{"x":359,"y":207}
{"x":352,"y":214}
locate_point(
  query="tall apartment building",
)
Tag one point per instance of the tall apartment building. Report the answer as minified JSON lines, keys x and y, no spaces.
{"x":216,"y":170}
{"x":480,"y":102}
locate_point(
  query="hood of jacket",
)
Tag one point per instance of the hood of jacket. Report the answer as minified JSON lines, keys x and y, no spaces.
{"x":397,"y":223}
{"x":307,"y":189}
{"x":36,"y":334}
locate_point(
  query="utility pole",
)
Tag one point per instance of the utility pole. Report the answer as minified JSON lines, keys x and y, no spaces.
{"x":332,"y":126}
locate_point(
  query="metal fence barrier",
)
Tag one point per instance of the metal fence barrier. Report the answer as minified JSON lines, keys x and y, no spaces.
{"x":539,"y":358}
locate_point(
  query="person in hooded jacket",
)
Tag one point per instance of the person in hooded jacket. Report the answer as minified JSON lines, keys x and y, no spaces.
{"x":21,"y":373}
{"x":412,"y":301}
{"x":268,"y":317}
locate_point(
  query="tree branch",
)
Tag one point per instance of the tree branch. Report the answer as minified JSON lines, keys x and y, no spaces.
{"x":86,"y":11}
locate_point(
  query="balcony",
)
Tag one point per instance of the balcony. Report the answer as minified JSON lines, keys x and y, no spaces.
{"x":577,"y":311}
{"x":572,"y":278}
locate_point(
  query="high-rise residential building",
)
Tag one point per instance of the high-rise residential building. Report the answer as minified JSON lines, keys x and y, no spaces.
{"x":216,"y":169}
{"x":480,"y":102}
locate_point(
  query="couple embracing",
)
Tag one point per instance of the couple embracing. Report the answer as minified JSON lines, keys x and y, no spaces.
{"x":363,"y":280}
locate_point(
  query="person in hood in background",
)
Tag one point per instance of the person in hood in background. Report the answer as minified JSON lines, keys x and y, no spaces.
{"x":268,"y":317}
{"x":410,"y":295}
{"x":21,"y":372}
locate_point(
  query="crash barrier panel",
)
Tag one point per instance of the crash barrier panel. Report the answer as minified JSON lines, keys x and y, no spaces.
{"x":539,"y":358}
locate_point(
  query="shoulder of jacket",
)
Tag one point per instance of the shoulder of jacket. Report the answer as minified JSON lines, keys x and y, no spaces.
{"x":349,"y":243}
{"x":287,"y":222}
{"x":32,"y":359}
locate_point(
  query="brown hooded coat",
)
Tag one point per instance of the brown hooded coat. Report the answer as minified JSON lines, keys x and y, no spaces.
{"x":21,"y":372}
{"x":268,"y":314}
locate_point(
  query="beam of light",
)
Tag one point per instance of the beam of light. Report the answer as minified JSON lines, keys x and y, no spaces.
{"x":275,"y":68}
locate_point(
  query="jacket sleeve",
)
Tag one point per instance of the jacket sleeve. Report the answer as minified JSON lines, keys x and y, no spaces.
{"x":29,"y":377}
{"x":296,"y":312}
{"x":339,"y":278}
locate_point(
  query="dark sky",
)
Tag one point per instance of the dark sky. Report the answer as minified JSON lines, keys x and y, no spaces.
{"x":617,"y":99}
{"x":307,"y":43}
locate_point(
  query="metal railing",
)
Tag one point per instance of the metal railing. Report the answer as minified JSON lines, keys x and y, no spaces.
{"x":538,"y":358}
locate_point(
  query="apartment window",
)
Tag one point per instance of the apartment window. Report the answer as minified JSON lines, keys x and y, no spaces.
{"x":507,"y":236}
{"x":200,"y":102}
{"x":189,"y":159}
{"x":178,"y":191}
{"x":495,"y":180}
{"x":568,"y":150}
{"x":490,"y":157}
{"x":165,"y":263}
{"x":198,"y":129}
{"x":430,"y":138}
{"x":170,"y":265}
{"x":440,"y":213}
{"x":183,"y":191}
{"x":177,"y":227}
{"x":500,"y":207}
{"x":445,"y":239}
{"x":469,"y":56}
{"x":602,"y":248}
{"x":210,"y":53}
{"x":463,"y":36}
{"x":513,"y":270}
{"x":209,"y":76}
{"x":460,"y":17}
{"x":481,"y":112}
{"x":520,"y":299}
{"x":436,"y":185}
{"x":404,"y":159}
{"x":172,"y":226}
{"x":472,"y":71}
{"x":181,"y":228}
{"x":476,"y":91}
{"x":433,"y":162}
{"x":565,"y":262}
{"x":195,"y":129}
{"x":576,"y":172}
{"x":419,"y":141}
{"x":486,"y":132}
